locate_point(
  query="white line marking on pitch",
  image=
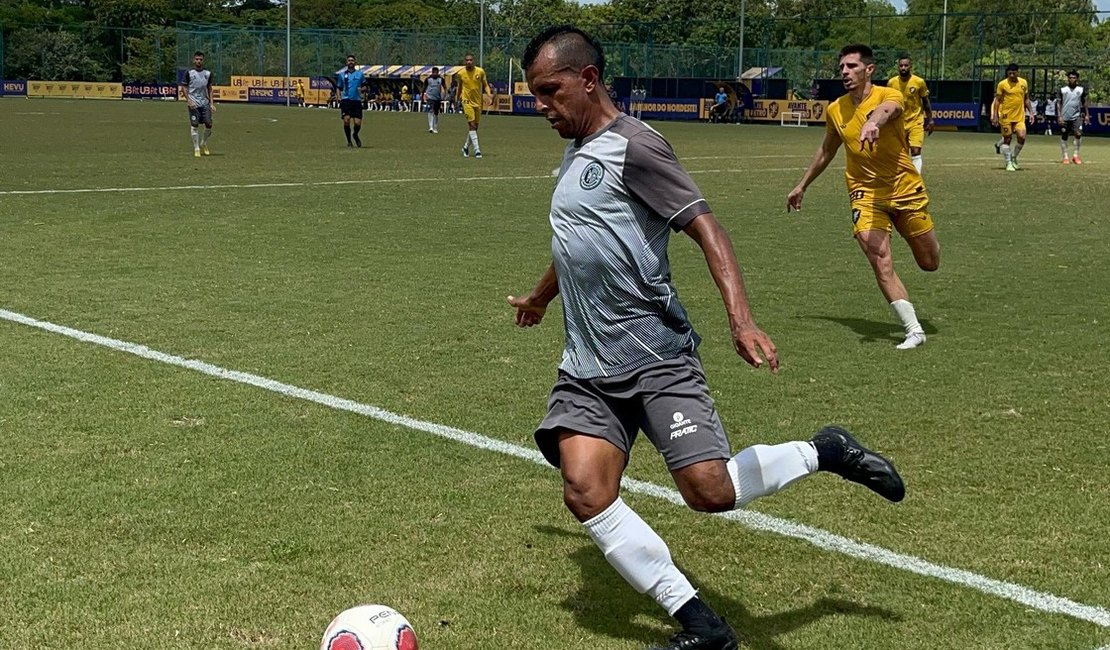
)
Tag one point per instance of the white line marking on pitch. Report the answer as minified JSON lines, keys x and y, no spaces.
{"x":374,"y":181}
{"x":1042,"y":601}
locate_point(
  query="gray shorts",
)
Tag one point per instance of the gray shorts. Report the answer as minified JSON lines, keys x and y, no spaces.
{"x":668,"y":400}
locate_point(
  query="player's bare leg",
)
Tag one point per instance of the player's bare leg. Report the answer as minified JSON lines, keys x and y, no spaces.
{"x":926,"y":250}
{"x":876,"y":247}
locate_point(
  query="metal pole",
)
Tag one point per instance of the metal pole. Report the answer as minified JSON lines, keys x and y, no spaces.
{"x":943,"y":39}
{"x":289,"y":48}
{"x":740,"y":53}
{"x":482,"y":33}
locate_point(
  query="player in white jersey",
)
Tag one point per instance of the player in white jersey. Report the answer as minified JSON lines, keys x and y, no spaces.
{"x":630,"y":362}
{"x":1071,"y":114}
{"x":197,"y":85}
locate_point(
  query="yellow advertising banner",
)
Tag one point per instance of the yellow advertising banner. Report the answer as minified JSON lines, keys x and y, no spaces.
{"x":229,"y":94}
{"x":521,"y":88}
{"x":75,"y":89}
{"x":785,"y":110}
{"x":245,"y":81}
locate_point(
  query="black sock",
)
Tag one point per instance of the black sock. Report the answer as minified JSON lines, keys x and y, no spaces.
{"x":347,"y":132}
{"x":829,"y":452}
{"x":696,"y":615}
{"x":358,"y":127}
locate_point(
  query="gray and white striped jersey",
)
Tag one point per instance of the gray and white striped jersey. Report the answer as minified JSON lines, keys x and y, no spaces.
{"x":1071,"y":103}
{"x":619,"y":194}
{"x":196,"y":85}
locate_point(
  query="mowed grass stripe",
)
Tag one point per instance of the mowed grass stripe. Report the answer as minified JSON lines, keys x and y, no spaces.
{"x":1031,"y":598}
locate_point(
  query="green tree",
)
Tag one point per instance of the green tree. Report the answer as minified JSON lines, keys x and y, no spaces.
{"x":54,"y":56}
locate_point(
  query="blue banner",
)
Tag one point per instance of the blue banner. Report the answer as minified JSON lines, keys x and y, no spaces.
{"x":1100,"y":120}
{"x":14,"y":88}
{"x":269,"y":96}
{"x":149,"y":91}
{"x":524,"y":105}
{"x":963,"y":114}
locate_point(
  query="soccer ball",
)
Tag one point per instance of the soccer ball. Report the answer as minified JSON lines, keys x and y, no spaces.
{"x":369,"y":627}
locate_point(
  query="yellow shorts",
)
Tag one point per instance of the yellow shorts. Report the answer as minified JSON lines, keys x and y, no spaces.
{"x":909,"y":215}
{"x":915,"y":133}
{"x":472,"y":112}
{"x":1010,"y":128}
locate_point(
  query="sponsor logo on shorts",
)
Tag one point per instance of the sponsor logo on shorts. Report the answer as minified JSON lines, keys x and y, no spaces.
{"x":682,"y":426}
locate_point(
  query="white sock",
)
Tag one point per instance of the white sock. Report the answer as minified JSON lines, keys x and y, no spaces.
{"x":1064,"y":148}
{"x":1017,"y":149}
{"x":195,"y":136}
{"x":435,"y":122}
{"x":640,"y":556}
{"x":1001,"y":141}
{"x":1006,"y":153}
{"x":762,"y":470}
{"x":903,"y":309}
{"x":431,"y":120}
{"x":1077,"y":141}
{"x":917,"y":162}
{"x":474,"y":141}
{"x":204,"y":138}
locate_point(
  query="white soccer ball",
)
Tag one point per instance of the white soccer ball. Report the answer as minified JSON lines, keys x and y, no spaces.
{"x":369,"y":627}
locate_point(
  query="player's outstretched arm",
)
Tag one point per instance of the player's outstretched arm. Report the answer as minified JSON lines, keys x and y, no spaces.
{"x":882,"y":114}
{"x":927,"y":107}
{"x":821,"y":159}
{"x":750,"y":342}
{"x":531,"y":308}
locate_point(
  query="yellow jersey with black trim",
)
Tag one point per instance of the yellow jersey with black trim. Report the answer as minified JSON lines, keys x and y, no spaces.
{"x":882,"y":170}
{"x":914,"y":91}
{"x":473,"y":84}
{"x":1012,"y":97}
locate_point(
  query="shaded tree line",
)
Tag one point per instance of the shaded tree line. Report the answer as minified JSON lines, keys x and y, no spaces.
{"x":105,"y":40}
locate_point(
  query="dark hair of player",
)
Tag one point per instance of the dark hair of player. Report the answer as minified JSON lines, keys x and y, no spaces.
{"x":198,"y":53}
{"x":866,"y":55}
{"x":1012,"y":67}
{"x":574,"y":48}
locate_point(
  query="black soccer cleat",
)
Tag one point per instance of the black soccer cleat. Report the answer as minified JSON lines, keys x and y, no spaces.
{"x":997,"y":149}
{"x":838,"y":452}
{"x":719,"y":638}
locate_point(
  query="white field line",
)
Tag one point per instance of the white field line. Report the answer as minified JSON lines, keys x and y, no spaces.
{"x":1038,"y":600}
{"x":377,"y":181}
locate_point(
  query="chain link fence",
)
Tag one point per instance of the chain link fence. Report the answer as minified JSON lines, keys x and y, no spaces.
{"x":800,"y":49}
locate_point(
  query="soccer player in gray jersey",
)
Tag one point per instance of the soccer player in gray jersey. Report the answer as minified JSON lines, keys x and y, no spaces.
{"x":1072,"y":115}
{"x":198,"y":94}
{"x":630,"y":361}
{"x":433,"y":97}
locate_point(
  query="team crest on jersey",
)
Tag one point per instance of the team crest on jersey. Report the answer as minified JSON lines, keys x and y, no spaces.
{"x":591,"y":176}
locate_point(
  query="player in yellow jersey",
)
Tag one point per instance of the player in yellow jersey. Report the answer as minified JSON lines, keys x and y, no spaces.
{"x":1010,"y":110}
{"x":470,"y":86}
{"x":884,"y":188}
{"x":918,"y":113}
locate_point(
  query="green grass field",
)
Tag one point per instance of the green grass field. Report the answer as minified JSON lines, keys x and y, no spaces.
{"x":147,"y":504}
